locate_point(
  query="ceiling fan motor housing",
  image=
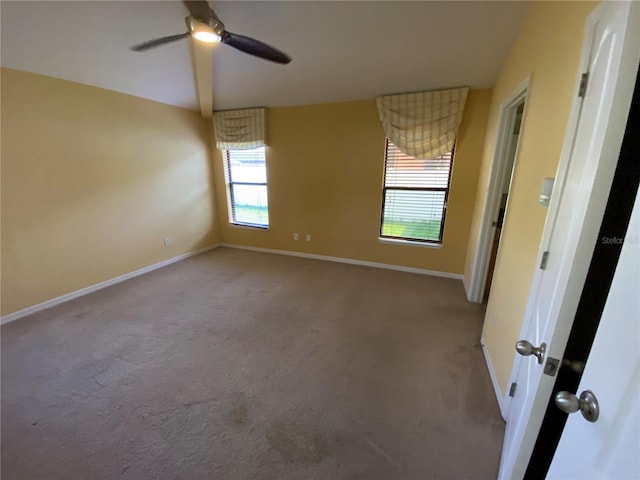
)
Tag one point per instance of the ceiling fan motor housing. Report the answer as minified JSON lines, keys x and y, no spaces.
{"x":212,"y":25}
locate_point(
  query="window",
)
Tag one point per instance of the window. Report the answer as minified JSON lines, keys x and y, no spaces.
{"x":246,"y":176}
{"x":414,"y":196}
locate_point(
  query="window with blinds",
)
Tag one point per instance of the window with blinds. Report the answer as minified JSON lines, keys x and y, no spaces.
{"x":246,"y":176}
{"x":414,"y":196}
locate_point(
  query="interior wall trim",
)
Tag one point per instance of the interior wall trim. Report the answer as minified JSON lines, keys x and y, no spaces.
{"x":99,"y":286}
{"x":491,"y":199}
{"x":351,"y":261}
{"x":494,"y":380}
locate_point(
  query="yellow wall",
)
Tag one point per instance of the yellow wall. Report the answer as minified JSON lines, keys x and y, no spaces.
{"x":92,"y":180}
{"x":325,"y":168}
{"x":547,"y":47}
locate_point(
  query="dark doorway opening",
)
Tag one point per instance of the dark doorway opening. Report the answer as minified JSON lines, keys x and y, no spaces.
{"x":505,"y":185}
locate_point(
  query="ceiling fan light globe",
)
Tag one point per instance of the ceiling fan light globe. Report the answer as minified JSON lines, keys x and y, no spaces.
{"x":206,"y":36}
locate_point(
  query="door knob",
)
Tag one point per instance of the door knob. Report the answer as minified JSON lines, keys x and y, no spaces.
{"x":524,"y":348}
{"x":587,"y":404}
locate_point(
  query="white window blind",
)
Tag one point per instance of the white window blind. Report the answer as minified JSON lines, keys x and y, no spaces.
{"x":246,"y":176}
{"x":414,"y":197}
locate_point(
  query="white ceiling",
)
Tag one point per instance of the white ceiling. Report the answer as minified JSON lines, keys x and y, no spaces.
{"x":341,"y":50}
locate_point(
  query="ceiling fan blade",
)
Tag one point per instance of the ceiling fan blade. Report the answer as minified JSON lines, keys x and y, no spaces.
{"x":141,"y":47}
{"x":255,"y":47}
{"x":199,"y":9}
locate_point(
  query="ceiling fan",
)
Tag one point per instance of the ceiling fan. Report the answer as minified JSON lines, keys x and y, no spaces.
{"x":204,"y":25}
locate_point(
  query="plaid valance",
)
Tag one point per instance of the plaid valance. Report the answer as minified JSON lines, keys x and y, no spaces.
{"x":424,"y":124}
{"x":240,"y":129}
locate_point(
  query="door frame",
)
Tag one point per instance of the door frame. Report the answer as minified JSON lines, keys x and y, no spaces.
{"x":592,"y":202}
{"x":491,"y":202}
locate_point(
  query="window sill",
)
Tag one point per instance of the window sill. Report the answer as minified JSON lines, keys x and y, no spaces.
{"x":246,"y":225}
{"x":393,"y":241}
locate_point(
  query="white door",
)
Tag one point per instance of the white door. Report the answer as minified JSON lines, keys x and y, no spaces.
{"x":610,"y":447}
{"x":610,"y":58}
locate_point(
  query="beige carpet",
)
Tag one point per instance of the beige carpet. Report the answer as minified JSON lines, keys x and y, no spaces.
{"x":245,"y":365}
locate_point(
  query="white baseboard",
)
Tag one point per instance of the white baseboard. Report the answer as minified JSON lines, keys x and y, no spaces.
{"x":494,"y":380}
{"x":421,"y":271}
{"x":98,"y":286}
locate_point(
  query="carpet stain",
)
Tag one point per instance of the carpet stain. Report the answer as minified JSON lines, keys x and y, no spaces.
{"x":295,"y":444}
{"x":240,"y":415}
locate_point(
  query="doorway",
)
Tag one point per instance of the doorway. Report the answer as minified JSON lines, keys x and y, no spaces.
{"x":505,"y":184}
{"x":510,"y":128}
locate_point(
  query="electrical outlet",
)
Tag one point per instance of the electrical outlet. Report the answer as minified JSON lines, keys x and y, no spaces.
{"x":167,"y":241}
{"x":308,"y":237}
{"x":295,"y":236}
{"x":494,"y":319}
